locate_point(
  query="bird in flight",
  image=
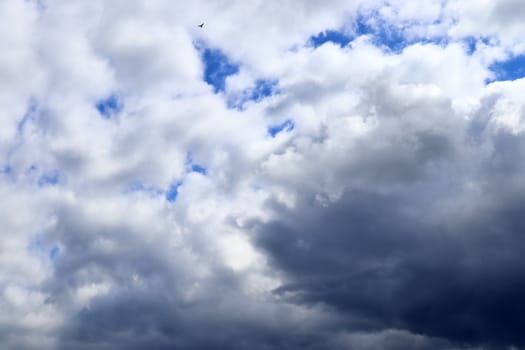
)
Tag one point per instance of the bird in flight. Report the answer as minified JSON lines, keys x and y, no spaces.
{"x":200,"y":25}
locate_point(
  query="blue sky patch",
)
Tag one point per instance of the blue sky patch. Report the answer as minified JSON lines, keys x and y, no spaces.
{"x":260,"y":90}
{"x":53,"y":253}
{"x":139,"y":186}
{"x":511,"y":69}
{"x":198,"y":169}
{"x":110,"y":106}
{"x":173,"y":191}
{"x":170,"y":194}
{"x":286,"y":126}
{"x":217,"y":67}
{"x":331,"y":36}
{"x":382,"y":33}
{"x":471,"y":43}
{"x":192,"y":167}
{"x":40,"y":245}
{"x":50,"y":178}
{"x":30,"y":115}
{"x":391,"y":37}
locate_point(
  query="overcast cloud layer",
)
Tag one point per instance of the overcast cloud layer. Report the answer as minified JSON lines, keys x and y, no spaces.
{"x":296,"y":174}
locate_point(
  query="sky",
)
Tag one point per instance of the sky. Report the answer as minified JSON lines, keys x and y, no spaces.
{"x":295,"y":174}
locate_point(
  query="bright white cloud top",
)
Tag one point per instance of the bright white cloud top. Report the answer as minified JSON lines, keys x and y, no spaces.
{"x":293,"y":175}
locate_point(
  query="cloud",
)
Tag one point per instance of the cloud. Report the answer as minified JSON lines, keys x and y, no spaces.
{"x":405,"y":225}
{"x":301,"y":175}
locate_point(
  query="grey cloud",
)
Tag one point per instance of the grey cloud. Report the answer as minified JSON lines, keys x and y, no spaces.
{"x":411,"y":246}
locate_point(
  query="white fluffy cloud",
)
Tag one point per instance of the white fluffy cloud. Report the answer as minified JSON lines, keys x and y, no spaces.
{"x":177,"y":220}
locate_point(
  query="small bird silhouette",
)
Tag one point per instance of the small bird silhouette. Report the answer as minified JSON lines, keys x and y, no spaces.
{"x":201,"y":25}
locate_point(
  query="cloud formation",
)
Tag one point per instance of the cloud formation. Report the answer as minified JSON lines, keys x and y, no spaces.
{"x":294,"y":175}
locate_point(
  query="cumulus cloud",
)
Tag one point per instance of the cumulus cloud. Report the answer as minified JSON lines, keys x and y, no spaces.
{"x":294,"y":175}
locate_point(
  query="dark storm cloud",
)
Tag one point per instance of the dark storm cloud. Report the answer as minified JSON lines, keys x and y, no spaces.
{"x":158,"y":296}
{"x":156,"y":322}
{"x":158,"y":300}
{"x":437,"y":253}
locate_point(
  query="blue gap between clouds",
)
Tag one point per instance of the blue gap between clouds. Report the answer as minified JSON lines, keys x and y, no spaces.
{"x":173,"y":191}
{"x":192,"y":167}
{"x":261,"y":89}
{"x":170,"y":194}
{"x":139,"y":186}
{"x":50,"y":178}
{"x":382,"y":33}
{"x":511,"y":69}
{"x":472,"y":43}
{"x":30,"y":115}
{"x":286,"y":126}
{"x":331,"y":36}
{"x":217,"y":67}
{"x":198,"y":169}
{"x":110,"y":106}
{"x":53,"y":253}
{"x":39,"y":245}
